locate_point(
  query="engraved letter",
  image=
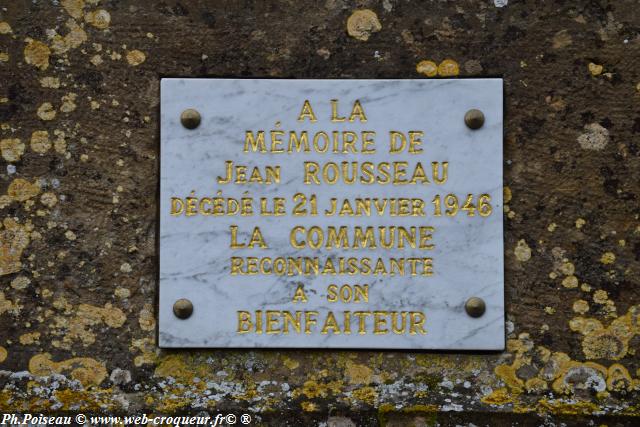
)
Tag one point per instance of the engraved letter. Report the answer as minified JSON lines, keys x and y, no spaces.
{"x":307,"y":112}
{"x":177,"y":206}
{"x":244,"y":322}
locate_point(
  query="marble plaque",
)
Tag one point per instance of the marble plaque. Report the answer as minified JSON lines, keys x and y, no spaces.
{"x":331,"y":214}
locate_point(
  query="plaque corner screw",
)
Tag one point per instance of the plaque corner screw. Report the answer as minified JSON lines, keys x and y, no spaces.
{"x":474,"y":119}
{"x":183,"y":308}
{"x":190,"y":118}
{"x":475,"y":307}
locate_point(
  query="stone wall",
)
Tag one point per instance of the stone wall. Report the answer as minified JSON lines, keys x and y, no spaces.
{"x":79,"y":83}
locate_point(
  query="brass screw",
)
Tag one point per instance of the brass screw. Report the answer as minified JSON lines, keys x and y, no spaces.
{"x":474,"y":119}
{"x":475,"y":307}
{"x":183,"y":308}
{"x":190,"y":118}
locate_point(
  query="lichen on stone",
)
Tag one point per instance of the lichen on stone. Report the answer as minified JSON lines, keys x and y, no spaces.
{"x":362,"y":23}
{"x":21,"y":190}
{"x":73,"y":7}
{"x":448,"y":68}
{"x":46,"y":111}
{"x":12,"y":149}
{"x":87,"y":370}
{"x":40,"y":141}
{"x":427,"y":67}
{"x":135,"y":57}
{"x":522,"y":251}
{"x":5,"y":28}
{"x":98,"y":18}
{"x":37,"y":54}
{"x":596,"y":137}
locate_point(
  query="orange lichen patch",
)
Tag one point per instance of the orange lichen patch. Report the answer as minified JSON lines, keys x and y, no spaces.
{"x":147,"y":320}
{"x":5,"y":28}
{"x":14,"y":238}
{"x":12,"y":149}
{"x":428,"y":68}
{"x":290,"y":363}
{"x":567,"y":268}
{"x":73,"y":39}
{"x":20,"y":283}
{"x":312,"y":388}
{"x":59,"y":144}
{"x":184,"y":369}
{"x":122,"y":293}
{"x":309,"y":407}
{"x":581,"y":376}
{"x":111,"y":316}
{"x":600,"y":297}
{"x":368,"y":395}
{"x":135,"y":57}
{"x":3,"y":354}
{"x":628,"y":325}
{"x":570,"y":282}
{"x":358,"y":374}
{"x":147,"y":347}
{"x":448,"y":68}
{"x":522,"y":251}
{"x":7,"y":306}
{"x":76,"y":35}
{"x":88,"y":371}
{"x":87,"y":316}
{"x":46,"y":111}
{"x":98,"y":18}
{"x":68,"y":102}
{"x":73,"y":7}
{"x":585,"y":325}
{"x":37,"y":54}
{"x":581,"y":306}
{"x":362,"y":23}
{"x":49,"y":199}
{"x":608,"y":258}
{"x":507,"y":373}
{"x":174,"y":366}
{"x":565,"y":375}
{"x":50,"y":82}
{"x":619,"y":379}
{"x":611,"y":342}
{"x":506,"y":194}
{"x":604,"y":345}
{"x":595,"y":69}
{"x":30,"y":338}
{"x":40,"y":141}
{"x":500,"y":396}
{"x":21,"y":190}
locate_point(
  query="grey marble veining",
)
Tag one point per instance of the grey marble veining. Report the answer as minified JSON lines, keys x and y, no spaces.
{"x":195,"y":253}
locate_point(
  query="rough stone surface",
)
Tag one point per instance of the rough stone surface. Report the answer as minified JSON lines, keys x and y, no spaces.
{"x":86,"y":73}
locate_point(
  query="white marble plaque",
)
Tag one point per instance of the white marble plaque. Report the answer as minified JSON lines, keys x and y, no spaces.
{"x":331,"y":214}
